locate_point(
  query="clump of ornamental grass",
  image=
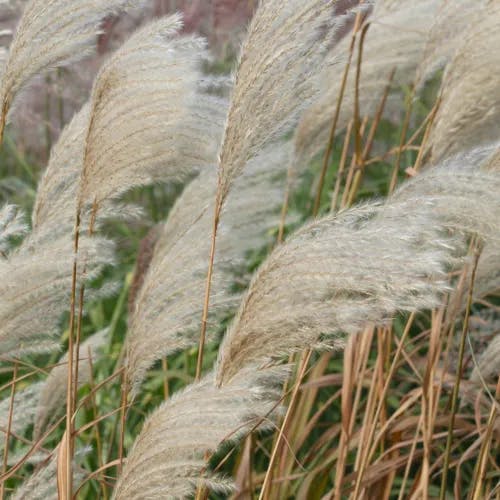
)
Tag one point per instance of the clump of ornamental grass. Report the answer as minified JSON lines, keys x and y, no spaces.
{"x":406,"y":409}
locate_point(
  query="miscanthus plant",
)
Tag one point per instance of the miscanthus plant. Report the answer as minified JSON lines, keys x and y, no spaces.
{"x":311,"y":312}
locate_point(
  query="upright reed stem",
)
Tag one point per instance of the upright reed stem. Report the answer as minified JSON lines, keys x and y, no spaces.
{"x":208,"y":288}
{"x":336,"y":116}
{"x":9,"y":427}
{"x":70,"y":400}
{"x":458,"y":376}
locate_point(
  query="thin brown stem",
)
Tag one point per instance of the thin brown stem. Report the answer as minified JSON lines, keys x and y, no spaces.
{"x":404,"y":132}
{"x":70,"y":382}
{"x":208,"y":288}
{"x":8,"y":430}
{"x":370,"y":448}
{"x":336,"y":116}
{"x":301,"y":374}
{"x":342,"y":164}
{"x":458,"y":377}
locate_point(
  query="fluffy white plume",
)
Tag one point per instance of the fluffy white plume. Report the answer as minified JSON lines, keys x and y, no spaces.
{"x":395,"y":41}
{"x":42,"y":485}
{"x":453,"y":18}
{"x":168,"y":308}
{"x":52,"y":33}
{"x":35,"y":287}
{"x":145,"y":114}
{"x":55,"y":198}
{"x":469,"y":112}
{"x":53,"y":394}
{"x":25,"y":403}
{"x":285,"y":45}
{"x":362,"y":266}
{"x":168,"y":459}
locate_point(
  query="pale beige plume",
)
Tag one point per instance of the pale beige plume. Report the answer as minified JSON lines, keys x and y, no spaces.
{"x":143,"y":124}
{"x":362,"y":266}
{"x":469,"y":111}
{"x":452,"y":20}
{"x":167,"y":312}
{"x":395,"y":40}
{"x":168,"y":458}
{"x":53,"y":393}
{"x":34,"y":290}
{"x":285,"y":46}
{"x":50,"y":34}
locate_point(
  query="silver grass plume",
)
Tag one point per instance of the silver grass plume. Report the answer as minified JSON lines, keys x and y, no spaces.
{"x":285,"y":45}
{"x":55,"y":201}
{"x":12,"y":225}
{"x":168,"y":458}
{"x":453,"y":18}
{"x":57,"y":189}
{"x":143,"y":121}
{"x":34,"y":290}
{"x":42,"y":484}
{"x":362,"y":266}
{"x":395,"y":41}
{"x":469,"y":113}
{"x":156,"y":145}
{"x":25,"y":403}
{"x":50,"y":34}
{"x":167,"y":310}
{"x":53,"y":393}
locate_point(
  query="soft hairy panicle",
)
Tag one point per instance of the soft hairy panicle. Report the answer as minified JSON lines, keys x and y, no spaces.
{"x":12,"y":225}
{"x":395,"y":41}
{"x":42,"y":484}
{"x":168,"y":308}
{"x":53,"y":394}
{"x":284,"y":47}
{"x":168,"y":458}
{"x":452,"y":19}
{"x":145,"y":114}
{"x":53,"y":33}
{"x":24,"y":410}
{"x":469,"y":111}
{"x":362,"y":266}
{"x":35,"y":287}
{"x":57,"y":189}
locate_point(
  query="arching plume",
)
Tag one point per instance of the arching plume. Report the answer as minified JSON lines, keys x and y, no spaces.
{"x":145,"y":112}
{"x":50,"y":34}
{"x":452,"y":19}
{"x":339,"y":273}
{"x":167,"y":312}
{"x":285,"y":46}
{"x":35,"y":288}
{"x":395,"y":41}
{"x":53,"y":393}
{"x":168,"y":458}
{"x":469,"y":111}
